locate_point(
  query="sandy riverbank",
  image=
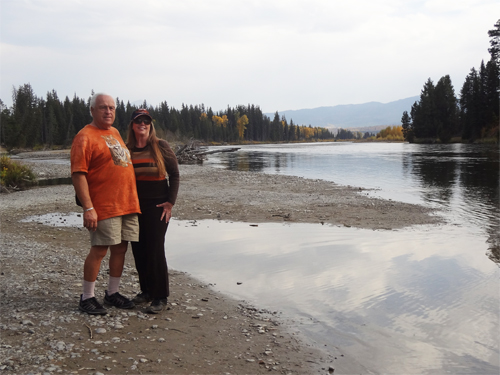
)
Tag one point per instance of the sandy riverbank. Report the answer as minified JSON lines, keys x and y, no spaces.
{"x":203,"y":331}
{"x":209,"y":193}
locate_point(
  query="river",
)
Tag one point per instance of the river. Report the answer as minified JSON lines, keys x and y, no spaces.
{"x":421,"y":300}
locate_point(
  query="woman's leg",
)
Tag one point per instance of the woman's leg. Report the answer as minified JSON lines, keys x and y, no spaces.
{"x":157,"y":275}
{"x":141,"y":256}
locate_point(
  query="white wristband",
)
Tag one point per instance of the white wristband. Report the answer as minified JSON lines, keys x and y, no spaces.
{"x":88,"y":209}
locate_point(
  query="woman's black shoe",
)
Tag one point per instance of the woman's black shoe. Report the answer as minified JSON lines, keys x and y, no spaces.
{"x":158,"y":305}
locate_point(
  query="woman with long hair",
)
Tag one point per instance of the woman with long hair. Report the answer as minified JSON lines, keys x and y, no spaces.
{"x":157,"y":179}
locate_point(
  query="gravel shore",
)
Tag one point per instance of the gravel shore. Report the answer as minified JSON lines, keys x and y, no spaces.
{"x":203,"y":332}
{"x":210,"y":193}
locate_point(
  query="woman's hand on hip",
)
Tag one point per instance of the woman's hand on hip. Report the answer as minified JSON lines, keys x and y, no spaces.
{"x":167,"y":211}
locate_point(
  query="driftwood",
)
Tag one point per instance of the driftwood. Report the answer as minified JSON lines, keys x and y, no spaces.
{"x":192,"y":153}
{"x":217,"y":151}
{"x":3,"y":189}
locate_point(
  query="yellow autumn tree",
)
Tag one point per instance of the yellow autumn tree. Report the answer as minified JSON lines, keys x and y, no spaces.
{"x":217,"y":120}
{"x":225,"y":121}
{"x":391,"y":133}
{"x":241,"y":125}
{"x":308,"y":132}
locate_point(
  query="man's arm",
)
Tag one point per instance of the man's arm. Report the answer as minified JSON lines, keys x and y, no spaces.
{"x":82,"y":191}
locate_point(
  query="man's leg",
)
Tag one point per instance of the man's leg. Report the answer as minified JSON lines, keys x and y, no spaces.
{"x":117,"y":258}
{"x":93,"y":262}
{"x":91,"y":267}
{"x":116,"y":262}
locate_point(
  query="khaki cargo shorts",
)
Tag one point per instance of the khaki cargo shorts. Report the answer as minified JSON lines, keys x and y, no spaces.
{"x":114,"y":230}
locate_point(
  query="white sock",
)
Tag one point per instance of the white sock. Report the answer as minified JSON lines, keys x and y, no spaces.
{"x":88,"y":290}
{"x":113,"y":285}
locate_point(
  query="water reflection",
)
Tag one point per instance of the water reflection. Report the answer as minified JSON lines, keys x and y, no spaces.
{"x":254,"y":161}
{"x":437,"y":175}
{"x":408,"y":302}
{"x":415,"y":301}
{"x":249,"y":162}
{"x":460,"y":179}
{"x":465,"y":177}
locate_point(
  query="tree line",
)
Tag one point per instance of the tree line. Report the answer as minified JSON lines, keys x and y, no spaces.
{"x":439,"y":114}
{"x":34,"y":121}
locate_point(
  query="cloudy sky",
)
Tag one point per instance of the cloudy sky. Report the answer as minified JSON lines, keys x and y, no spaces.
{"x":278,"y":54}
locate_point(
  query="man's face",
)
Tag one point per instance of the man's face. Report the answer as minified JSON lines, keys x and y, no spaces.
{"x":104,"y":112}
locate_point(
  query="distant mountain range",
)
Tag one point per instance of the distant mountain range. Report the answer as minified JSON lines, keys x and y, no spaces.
{"x":359,"y":116}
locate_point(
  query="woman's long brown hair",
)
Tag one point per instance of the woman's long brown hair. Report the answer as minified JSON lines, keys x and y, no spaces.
{"x":154,"y":141}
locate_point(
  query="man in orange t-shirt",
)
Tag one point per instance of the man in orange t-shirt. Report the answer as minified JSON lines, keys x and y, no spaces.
{"x":104,"y":181}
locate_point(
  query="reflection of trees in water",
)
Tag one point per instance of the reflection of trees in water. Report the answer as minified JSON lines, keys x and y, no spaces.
{"x":246,"y":161}
{"x":255,"y":161}
{"x":494,"y":249}
{"x":436,"y":172}
{"x":469,"y":170}
{"x":480,"y":184}
{"x":280,"y":161}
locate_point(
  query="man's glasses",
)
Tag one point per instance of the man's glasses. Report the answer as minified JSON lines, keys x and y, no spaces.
{"x":146,"y":121}
{"x":106,"y":107}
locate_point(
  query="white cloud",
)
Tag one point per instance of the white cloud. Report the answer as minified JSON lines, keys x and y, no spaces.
{"x":278,"y":54}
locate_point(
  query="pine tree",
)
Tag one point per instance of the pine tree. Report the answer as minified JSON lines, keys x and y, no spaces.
{"x":407,"y":127}
{"x":423,"y":113}
{"x":446,"y":109}
{"x":27,"y":118}
{"x":494,"y":50}
{"x":470,"y":107}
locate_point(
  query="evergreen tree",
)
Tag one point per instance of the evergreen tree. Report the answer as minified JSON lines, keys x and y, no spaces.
{"x":163,"y":117}
{"x":407,"y":127}
{"x":80,"y":112}
{"x":470,"y":106}
{"x":446,"y":109}
{"x":69,"y":120}
{"x":276,"y":128}
{"x":27,"y":119}
{"x":54,"y":124}
{"x":423,"y":113}
{"x":7,"y":126}
{"x":479,"y":103}
{"x":494,"y":50}
{"x":121,"y":118}
{"x":292,"y":134}
{"x":186,"y":127}
{"x":491,"y":89}
{"x":175,"y":122}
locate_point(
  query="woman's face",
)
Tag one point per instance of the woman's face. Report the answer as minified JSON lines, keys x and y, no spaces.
{"x":142,"y":126}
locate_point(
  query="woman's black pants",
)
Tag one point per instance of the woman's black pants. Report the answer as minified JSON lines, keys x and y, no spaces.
{"x":149,"y":253}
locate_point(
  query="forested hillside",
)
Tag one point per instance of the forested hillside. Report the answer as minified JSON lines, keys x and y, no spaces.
{"x":34,"y":121}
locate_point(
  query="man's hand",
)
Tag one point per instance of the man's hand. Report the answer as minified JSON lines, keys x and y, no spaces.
{"x":90,"y":220}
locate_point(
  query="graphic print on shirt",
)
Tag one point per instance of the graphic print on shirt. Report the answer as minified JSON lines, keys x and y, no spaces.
{"x":120,"y":155}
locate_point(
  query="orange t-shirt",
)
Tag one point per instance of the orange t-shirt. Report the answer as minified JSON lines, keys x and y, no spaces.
{"x":103,"y":156}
